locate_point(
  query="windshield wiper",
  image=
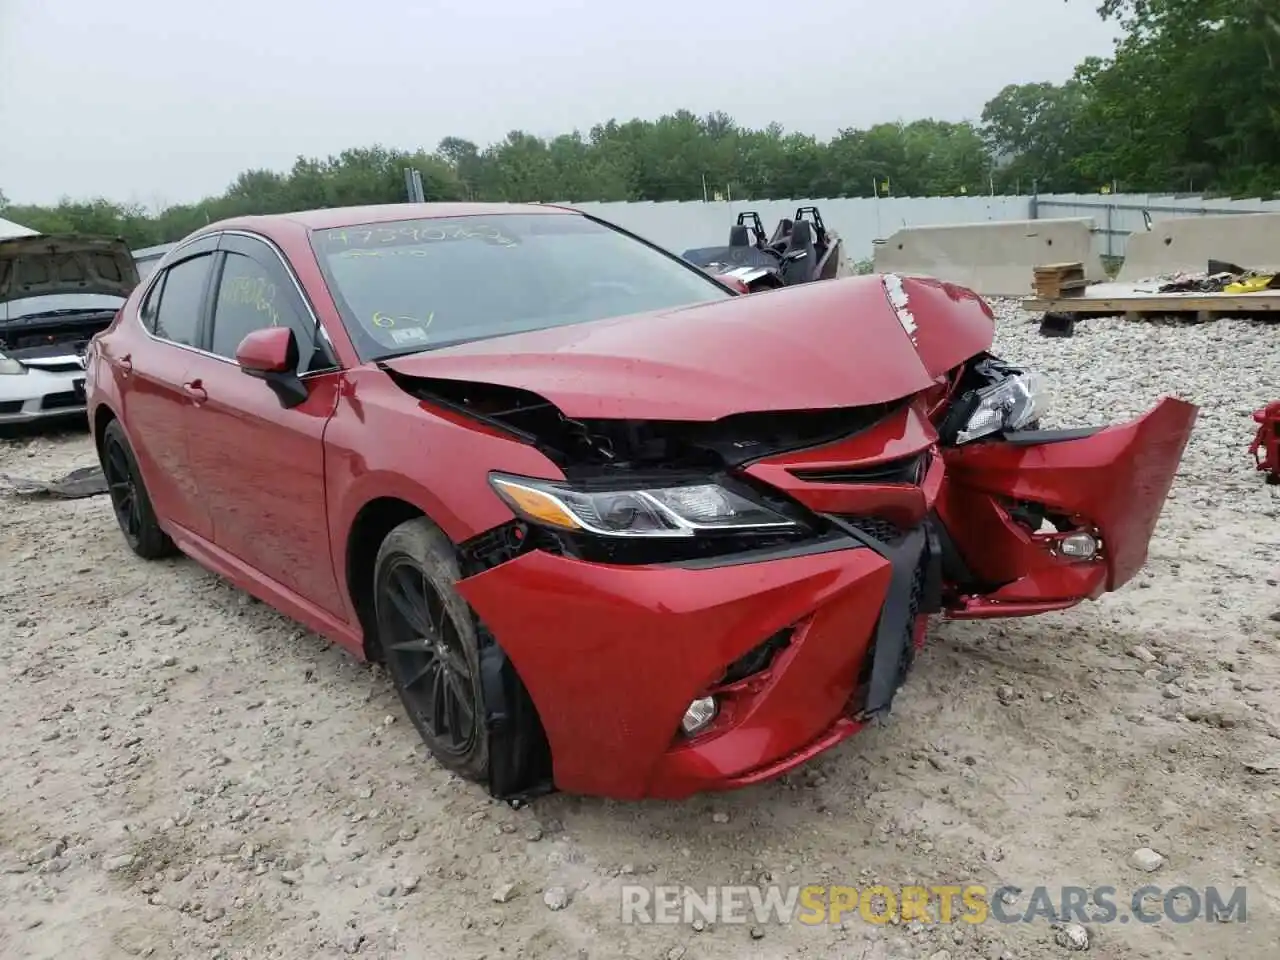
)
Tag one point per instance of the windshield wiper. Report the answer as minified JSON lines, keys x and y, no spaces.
{"x":65,"y":312}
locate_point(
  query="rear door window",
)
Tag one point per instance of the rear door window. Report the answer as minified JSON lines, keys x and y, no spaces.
{"x":182,"y":301}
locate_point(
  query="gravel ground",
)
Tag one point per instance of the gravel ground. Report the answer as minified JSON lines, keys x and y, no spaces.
{"x":188,"y":774}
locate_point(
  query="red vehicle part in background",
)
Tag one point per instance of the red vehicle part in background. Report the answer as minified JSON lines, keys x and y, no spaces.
{"x":1266,"y":444}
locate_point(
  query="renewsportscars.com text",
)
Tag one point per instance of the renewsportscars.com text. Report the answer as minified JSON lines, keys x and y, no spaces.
{"x":959,"y":903}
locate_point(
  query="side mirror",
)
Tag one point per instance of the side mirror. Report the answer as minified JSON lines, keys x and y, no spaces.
{"x":271,"y":354}
{"x":270,"y":350}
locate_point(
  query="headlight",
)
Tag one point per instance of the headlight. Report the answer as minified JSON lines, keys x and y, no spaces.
{"x":1011,"y":404}
{"x":675,"y":511}
{"x":9,"y":366}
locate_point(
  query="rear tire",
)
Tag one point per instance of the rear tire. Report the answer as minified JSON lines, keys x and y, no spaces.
{"x":129,"y":498}
{"x":428,"y":638}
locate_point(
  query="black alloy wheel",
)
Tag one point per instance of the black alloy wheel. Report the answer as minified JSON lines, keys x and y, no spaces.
{"x":429,"y":641}
{"x":123,"y":490}
{"x":129,"y":498}
{"x":430,"y":662}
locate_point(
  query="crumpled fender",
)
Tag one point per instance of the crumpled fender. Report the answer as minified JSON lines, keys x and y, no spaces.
{"x":1116,"y":480}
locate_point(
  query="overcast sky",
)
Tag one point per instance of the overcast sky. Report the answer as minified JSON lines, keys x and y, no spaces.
{"x":164,"y":102}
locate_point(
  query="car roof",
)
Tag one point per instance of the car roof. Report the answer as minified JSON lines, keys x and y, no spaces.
{"x":336,"y":217}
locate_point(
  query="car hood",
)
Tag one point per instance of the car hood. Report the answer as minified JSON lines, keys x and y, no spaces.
{"x":44,"y":264}
{"x":854,"y":342}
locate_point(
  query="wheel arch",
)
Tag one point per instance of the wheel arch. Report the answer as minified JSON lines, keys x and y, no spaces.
{"x":520,"y":753}
{"x":370,"y":526}
{"x":102,"y":417}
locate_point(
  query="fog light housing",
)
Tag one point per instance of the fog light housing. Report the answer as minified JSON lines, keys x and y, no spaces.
{"x":1079,"y":546}
{"x":698,"y":715}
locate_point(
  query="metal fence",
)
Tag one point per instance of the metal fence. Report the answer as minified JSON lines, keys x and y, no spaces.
{"x":1116,"y":216}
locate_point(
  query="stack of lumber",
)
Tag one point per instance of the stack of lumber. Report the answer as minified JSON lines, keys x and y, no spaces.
{"x":1054,"y":280}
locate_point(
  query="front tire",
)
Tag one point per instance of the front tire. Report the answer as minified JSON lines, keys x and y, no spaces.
{"x":429,"y":641}
{"x":129,"y":498}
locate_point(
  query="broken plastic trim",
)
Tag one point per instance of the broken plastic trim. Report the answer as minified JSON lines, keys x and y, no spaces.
{"x":519,"y":753}
{"x":414,"y":386}
{"x":758,"y":659}
{"x":891,"y":651}
{"x":1033,"y":438}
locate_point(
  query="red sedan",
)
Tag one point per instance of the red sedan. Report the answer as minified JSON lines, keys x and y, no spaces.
{"x":613,"y":527}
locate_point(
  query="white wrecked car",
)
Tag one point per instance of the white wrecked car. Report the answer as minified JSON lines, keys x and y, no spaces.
{"x":55,"y":293}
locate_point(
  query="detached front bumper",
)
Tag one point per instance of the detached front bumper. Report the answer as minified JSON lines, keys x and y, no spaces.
{"x":1111,"y":482}
{"x":612,"y":656}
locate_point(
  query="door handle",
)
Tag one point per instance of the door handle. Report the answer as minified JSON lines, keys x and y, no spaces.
{"x":195,"y":390}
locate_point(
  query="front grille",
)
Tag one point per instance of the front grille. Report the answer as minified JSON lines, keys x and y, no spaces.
{"x":877,"y":527}
{"x":10,"y":406}
{"x":903,"y":470}
{"x":62,"y":401}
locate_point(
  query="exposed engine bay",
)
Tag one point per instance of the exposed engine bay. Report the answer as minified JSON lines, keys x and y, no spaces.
{"x":604,"y":454}
{"x":45,"y":338}
{"x":587,"y":449}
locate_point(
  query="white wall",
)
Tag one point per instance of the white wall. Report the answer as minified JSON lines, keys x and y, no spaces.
{"x":679,"y":226}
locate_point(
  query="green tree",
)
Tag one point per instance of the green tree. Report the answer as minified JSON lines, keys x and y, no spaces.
{"x":1191,"y":98}
{"x":1034,"y":130}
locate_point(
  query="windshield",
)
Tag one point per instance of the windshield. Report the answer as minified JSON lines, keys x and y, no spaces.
{"x":60,"y":303}
{"x":417,"y":285}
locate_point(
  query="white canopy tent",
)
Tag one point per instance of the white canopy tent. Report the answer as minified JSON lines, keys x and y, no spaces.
{"x":10,"y":229}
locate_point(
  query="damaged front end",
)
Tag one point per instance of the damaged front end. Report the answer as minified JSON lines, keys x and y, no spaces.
{"x":762,"y":581}
{"x":648,"y":491}
{"x":704,"y":603}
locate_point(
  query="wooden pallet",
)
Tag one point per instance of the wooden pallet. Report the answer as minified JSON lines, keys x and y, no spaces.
{"x":1119,"y":298}
{"x":1054,"y":280}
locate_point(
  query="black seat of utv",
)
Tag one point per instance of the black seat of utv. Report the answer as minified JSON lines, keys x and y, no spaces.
{"x":801,"y":240}
{"x":780,"y":236}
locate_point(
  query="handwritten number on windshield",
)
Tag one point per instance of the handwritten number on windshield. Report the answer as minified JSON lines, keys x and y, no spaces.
{"x":355,"y":238}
